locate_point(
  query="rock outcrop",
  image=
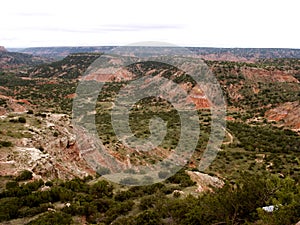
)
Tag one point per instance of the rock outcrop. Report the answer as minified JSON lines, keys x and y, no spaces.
{"x":288,"y":114}
{"x":49,"y":150}
{"x":204,"y":181}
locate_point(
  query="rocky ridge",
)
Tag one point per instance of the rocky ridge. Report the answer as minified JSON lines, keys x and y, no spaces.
{"x":48,"y":149}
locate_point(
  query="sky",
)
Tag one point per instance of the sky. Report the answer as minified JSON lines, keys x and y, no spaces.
{"x":209,"y":23}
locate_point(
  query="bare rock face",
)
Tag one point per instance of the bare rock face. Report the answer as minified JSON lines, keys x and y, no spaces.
{"x":50,"y":151}
{"x":204,"y":181}
{"x":2,"y":111}
{"x":288,"y":114}
{"x":2,"y":49}
{"x":13,"y":105}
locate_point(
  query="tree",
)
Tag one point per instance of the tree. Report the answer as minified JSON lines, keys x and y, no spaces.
{"x":5,"y":144}
{"x":25,"y":175}
{"x":101,"y":188}
{"x":148,"y":217}
{"x":9,"y":208}
{"x":12,"y":184}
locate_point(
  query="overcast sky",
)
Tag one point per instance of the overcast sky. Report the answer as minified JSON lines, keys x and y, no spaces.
{"x":209,"y":23}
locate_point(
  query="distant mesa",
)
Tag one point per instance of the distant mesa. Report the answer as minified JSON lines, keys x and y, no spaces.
{"x":2,"y":49}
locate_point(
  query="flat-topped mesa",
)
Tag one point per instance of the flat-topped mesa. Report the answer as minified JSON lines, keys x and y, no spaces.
{"x":2,"y":49}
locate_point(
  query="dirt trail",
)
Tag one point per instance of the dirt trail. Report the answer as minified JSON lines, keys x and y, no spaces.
{"x":230,"y":137}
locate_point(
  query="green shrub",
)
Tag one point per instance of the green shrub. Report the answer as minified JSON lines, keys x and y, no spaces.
{"x":5,"y":144}
{"x":163,"y":174}
{"x":103,"y":170}
{"x":22,"y":120}
{"x":25,"y":175}
{"x":12,"y":184}
{"x":13,"y":120}
{"x":101,"y":189}
{"x":147,"y":202}
{"x":129,"y":181}
{"x":49,"y":183}
{"x":181,"y":178}
{"x":30,"y":111}
{"x":9,"y":208}
{"x":148,"y":218}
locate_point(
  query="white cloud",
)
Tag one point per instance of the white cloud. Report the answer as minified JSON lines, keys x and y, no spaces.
{"x":229,"y":23}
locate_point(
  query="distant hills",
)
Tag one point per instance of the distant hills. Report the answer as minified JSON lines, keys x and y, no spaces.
{"x":16,"y":59}
{"x":39,"y":55}
{"x":70,"y":67}
{"x":245,"y":54}
{"x":207,"y":53}
{"x":61,"y":52}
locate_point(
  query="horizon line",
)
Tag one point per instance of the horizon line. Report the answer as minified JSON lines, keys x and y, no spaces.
{"x":164,"y":46}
